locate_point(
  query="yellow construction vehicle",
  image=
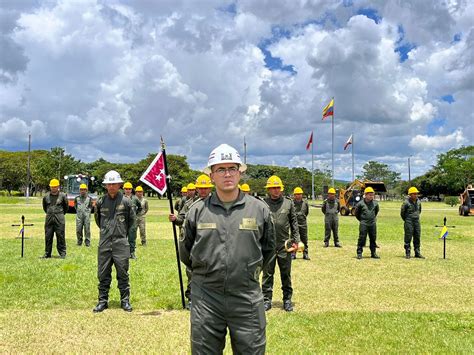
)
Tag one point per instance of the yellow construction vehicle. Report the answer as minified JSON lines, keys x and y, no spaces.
{"x":351,"y":195}
{"x":466,"y":202}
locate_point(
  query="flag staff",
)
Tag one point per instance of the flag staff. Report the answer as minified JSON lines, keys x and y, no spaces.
{"x":332,"y":121}
{"x":168,"y":192}
{"x":353,"y":178}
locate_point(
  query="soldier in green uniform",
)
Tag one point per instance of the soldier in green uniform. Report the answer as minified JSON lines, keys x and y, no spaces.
{"x":410,"y":213}
{"x":366,"y":213}
{"x":141,"y":216}
{"x":331,"y":209}
{"x":302,"y":211}
{"x":227,"y":239}
{"x":137,"y":208}
{"x":55,"y":206}
{"x":179,"y":221}
{"x":115,"y":217}
{"x":83,"y":206}
{"x":180,"y":201}
{"x":286,"y":228}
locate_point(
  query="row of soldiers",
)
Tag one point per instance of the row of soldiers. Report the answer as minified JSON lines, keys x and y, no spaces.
{"x":55,"y":205}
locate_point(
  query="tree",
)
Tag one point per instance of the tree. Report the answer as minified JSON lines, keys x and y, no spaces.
{"x":55,"y":164}
{"x":375,"y":171}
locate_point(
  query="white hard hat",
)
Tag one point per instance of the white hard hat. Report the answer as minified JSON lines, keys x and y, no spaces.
{"x":224,"y":154}
{"x":112,"y":177}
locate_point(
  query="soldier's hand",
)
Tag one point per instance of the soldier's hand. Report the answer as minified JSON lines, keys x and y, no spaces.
{"x":171,"y":217}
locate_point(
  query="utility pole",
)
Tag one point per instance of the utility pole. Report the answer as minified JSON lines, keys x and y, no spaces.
{"x":409,"y":172}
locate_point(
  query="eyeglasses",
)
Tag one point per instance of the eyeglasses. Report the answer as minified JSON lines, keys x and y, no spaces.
{"x":222,"y":171}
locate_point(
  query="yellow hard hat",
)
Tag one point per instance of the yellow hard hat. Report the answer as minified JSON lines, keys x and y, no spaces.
{"x":54,"y":183}
{"x":191,"y":186}
{"x":245,"y":188}
{"x":274,"y":181}
{"x":368,"y":189}
{"x":331,"y":190}
{"x":83,"y":186}
{"x":139,"y":189}
{"x":297,"y":190}
{"x":413,"y":190}
{"x":127,"y":185}
{"x":184,"y":189}
{"x":203,"y":181}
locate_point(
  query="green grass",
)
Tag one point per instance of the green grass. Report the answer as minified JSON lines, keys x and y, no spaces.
{"x":341,"y":304}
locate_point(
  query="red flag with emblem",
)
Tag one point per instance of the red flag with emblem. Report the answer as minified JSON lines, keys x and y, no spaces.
{"x":310,"y":141}
{"x":155,"y":176}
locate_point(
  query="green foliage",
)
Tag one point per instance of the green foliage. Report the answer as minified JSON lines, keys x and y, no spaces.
{"x":375,"y":171}
{"x":451,"y":200}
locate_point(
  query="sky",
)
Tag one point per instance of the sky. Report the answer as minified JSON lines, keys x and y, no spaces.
{"x":106,"y":79}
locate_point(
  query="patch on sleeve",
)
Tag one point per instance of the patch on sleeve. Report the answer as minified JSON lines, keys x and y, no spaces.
{"x":249,"y":224}
{"x":207,"y":226}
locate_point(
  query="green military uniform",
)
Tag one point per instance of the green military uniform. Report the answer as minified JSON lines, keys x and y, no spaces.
{"x":285,"y":220}
{"x":141,"y":219}
{"x":226,"y":246}
{"x":115,"y":218}
{"x":83,"y":206}
{"x":331,"y":209}
{"x":178,"y":205}
{"x":302,"y":211}
{"x":55,"y":207}
{"x":132,"y":236}
{"x":366,"y":213}
{"x":180,"y":218}
{"x":410,"y":213}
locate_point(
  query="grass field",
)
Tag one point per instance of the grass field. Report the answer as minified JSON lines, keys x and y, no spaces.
{"x":341,"y":304}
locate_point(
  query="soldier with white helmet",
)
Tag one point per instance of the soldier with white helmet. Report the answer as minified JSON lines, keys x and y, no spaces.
{"x":55,"y":206}
{"x":228,"y":237}
{"x":115,"y":217}
{"x":83,"y":206}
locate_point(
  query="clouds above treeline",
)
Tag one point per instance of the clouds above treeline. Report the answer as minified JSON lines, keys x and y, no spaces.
{"x":107,"y":78}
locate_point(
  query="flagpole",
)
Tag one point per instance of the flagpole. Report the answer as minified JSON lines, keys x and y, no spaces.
{"x":332,"y":180}
{"x":312,"y":165}
{"x":168,"y":192}
{"x":353,"y":179}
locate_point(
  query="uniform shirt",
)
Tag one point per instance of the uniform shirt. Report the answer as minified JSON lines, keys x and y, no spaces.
{"x":330,"y":208}
{"x":55,"y":207}
{"x":285,"y":220}
{"x":182,"y":212}
{"x":411,"y":210}
{"x":366,"y":212}
{"x":144,"y":207}
{"x":226,"y":249}
{"x":83,"y":204}
{"x":136,"y":205}
{"x":302,"y":211}
{"x":115,"y":217}
{"x":180,"y":203}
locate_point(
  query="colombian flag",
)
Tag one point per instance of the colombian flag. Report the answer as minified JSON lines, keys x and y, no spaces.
{"x":329,"y":109}
{"x":444,"y":233}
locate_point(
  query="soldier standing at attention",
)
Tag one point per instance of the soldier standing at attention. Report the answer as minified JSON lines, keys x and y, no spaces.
{"x":302,"y":211}
{"x":286,"y":228}
{"x":366,"y":213}
{"x":228,"y":238}
{"x":179,"y":221}
{"x":410,"y":213}
{"x":331,"y":209}
{"x":141,"y":216}
{"x":55,"y":206}
{"x":137,"y":208}
{"x":115,"y":217}
{"x":181,"y":200}
{"x":83,"y":206}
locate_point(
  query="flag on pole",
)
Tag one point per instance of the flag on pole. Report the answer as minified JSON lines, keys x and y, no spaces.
{"x":444,"y":233}
{"x":310,"y":141}
{"x":22,"y":228}
{"x":348,"y":143}
{"x":155,"y":176}
{"x":329,"y":109}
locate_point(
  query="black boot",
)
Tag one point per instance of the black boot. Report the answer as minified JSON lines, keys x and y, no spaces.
{"x":407,"y":254}
{"x":337,"y":245}
{"x":125,"y":300}
{"x":374,"y":255}
{"x":418,"y":254}
{"x":101,"y":306}
{"x":359,"y":256}
{"x":267,"y":305}
{"x":306,"y":256}
{"x":288,"y":305}
{"x":326,"y":244}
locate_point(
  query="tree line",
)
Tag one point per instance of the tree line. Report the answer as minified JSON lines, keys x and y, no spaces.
{"x":452,"y":172}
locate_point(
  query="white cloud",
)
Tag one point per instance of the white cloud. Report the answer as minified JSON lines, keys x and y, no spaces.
{"x":424,"y":142}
